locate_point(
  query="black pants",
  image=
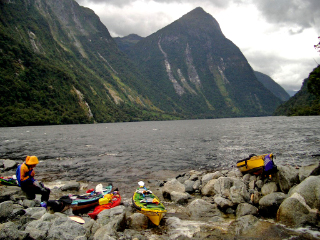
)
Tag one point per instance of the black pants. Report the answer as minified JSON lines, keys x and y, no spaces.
{"x":32,"y":190}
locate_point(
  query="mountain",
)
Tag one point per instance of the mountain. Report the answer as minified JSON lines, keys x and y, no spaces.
{"x":303,"y":102}
{"x":125,"y":43}
{"x":60,"y":65}
{"x":274,"y":87}
{"x":201,"y":73}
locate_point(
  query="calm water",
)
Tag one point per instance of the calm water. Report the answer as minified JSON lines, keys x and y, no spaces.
{"x":127,"y":152}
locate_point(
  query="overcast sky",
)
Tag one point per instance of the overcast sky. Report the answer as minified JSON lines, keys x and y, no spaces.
{"x":276,"y":36}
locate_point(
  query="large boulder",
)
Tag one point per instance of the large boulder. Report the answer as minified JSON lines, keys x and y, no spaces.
{"x":309,"y":189}
{"x":223,"y":203}
{"x":242,"y":225}
{"x":209,"y":176}
{"x":246,"y":209}
{"x":189,"y":186}
{"x":268,"y":188}
{"x":230,"y":188}
{"x":137,"y":221}
{"x":72,"y":186}
{"x":64,"y":228}
{"x":288,"y":177}
{"x":208,"y":189}
{"x":294,"y":212}
{"x":9,"y":165}
{"x":170,"y":186}
{"x":239,"y":192}
{"x":38,"y":229}
{"x":199,"y":208}
{"x":115,"y":215}
{"x":179,"y":197}
{"x":6,"y":209}
{"x":10,"y":230}
{"x":6,"y":192}
{"x":307,"y":171}
{"x":269,"y":204}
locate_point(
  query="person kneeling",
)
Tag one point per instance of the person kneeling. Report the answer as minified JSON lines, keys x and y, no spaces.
{"x":25,"y":176}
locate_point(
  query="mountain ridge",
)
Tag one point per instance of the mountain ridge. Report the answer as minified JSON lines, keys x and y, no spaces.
{"x":61,"y":66}
{"x":198,"y":67}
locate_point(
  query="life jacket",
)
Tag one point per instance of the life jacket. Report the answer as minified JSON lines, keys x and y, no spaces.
{"x":24,"y":175}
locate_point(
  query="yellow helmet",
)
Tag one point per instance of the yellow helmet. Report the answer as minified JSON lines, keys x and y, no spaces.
{"x":32,"y":160}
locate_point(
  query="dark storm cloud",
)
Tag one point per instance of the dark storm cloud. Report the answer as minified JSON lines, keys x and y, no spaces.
{"x":300,"y":13}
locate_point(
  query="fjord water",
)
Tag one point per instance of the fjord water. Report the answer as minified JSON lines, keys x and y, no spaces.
{"x":129,"y":152}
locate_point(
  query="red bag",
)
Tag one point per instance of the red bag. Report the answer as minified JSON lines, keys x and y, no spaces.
{"x":116,"y":199}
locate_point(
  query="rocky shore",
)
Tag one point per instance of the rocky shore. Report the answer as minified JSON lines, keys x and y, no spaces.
{"x":220,"y":204}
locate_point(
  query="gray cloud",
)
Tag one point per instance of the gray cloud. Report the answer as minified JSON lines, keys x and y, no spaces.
{"x":121,"y":19}
{"x":289,"y":73}
{"x":300,"y":13}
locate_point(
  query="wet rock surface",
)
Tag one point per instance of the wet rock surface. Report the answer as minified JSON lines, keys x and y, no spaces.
{"x":228,"y":212}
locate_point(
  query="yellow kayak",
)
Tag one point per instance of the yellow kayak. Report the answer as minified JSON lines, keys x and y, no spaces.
{"x":148,"y":204}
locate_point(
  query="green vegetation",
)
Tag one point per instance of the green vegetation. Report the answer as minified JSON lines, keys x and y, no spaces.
{"x":55,"y":70}
{"x":307,"y":101}
{"x":195,"y":47}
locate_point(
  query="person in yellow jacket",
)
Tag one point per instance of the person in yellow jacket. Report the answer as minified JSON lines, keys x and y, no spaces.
{"x":25,"y":176}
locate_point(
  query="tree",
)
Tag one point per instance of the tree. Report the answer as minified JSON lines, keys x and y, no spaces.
{"x":317,"y":46}
{"x":314,"y":77}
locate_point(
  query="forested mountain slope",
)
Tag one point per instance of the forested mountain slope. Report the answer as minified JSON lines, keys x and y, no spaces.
{"x":201,"y":72}
{"x":59,"y":64}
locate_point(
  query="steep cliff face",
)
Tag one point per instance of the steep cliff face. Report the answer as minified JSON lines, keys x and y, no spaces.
{"x":274,"y":87}
{"x":59,"y":64}
{"x":203,"y":73}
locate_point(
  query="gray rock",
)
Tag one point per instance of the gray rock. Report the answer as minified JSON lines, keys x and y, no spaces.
{"x":65,"y":229}
{"x":170,"y":186}
{"x":133,"y":234}
{"x":38,"y":229}
{"x":10,"y":230}
{"x":246,"y":177}
{"x":179,"y":197}
{"x":208,"y":189}
{"x":209,"y":176}
{"x":107,"y":216}
{"x":252,"y":184}
{"x":6,"y":209}
{"x":105,"y":233}
{"x":183,"y":177}
{"x":293,"y":212}
{"x":180,"y":229}
{"x":246,"y":209}
{"x":287,"y":176}
{"x":7,"y":191}
{"x":196,"y":185}
{"x":309,"y":189}
{"x":269,"y":204}
{"x":259,"y":184}
{"x":234,"y":173}
{"x":73,"y":186}
{"x":189,"y":186}
{"x":306,"y":171}
{"x":30,"y":203}
{"x":35,"y":212}
{"x":9,"y":164}
{"x":242,"y":225}
{"x":268,"y":188}
{"x":223,"y":203}
{"x":202,"y":209}
{"x":137,"y":221}
{"x":239,"y":192}
{"x":256,"y":197}
{"x":194,"y":175}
